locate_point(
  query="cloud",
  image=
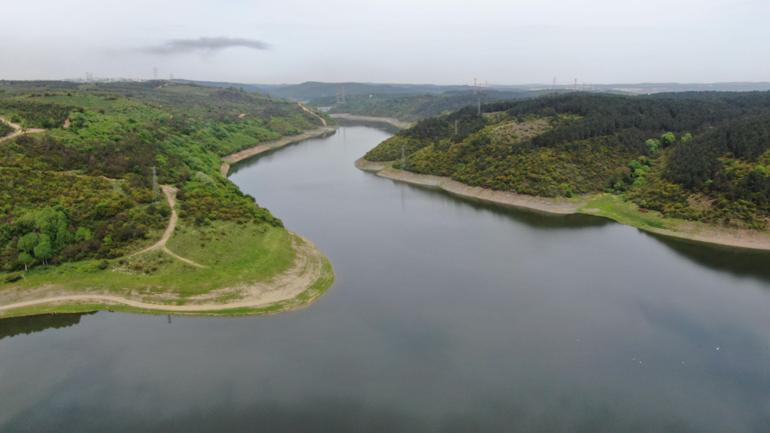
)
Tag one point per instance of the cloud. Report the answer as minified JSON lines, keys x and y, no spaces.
{"x":203,"y":45}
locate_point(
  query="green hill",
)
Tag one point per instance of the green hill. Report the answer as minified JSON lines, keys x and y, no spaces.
{"x":415,"y":107}
{"x":79,"y":199}
{"x":694,"y":156}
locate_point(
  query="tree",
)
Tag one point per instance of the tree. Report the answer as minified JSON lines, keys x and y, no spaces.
{"x":653,"y":145}
{"x":83,"y":234}
{"x":668,"y":138}
{"x":27,"y":242}
{"x":26,"y":259}
{"x":44,"y":249}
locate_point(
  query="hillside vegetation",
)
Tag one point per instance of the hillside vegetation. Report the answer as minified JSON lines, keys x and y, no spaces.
{"x":414,"y":107}
{"x":83,"y":191}
{"x":696,"y":156}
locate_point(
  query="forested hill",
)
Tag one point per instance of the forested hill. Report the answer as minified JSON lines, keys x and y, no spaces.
{"x":83,"y":188}
{"x":698,"y":156}
{"x":415,"y":107}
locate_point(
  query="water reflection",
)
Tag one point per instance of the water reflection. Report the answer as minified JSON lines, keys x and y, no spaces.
{"x":737,"y":262}
{"x":30,"y":325}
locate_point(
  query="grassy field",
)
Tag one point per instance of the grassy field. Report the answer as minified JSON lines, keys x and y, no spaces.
{"x":233,"y":254}
{"x":306,"y":298}
{"x":615,"y":208}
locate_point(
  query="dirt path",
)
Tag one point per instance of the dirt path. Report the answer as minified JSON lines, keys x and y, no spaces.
{"x":17,"y":130}
{"x":306,"y":269}
{"x":170,"y":193}
{"x":307,"y":110}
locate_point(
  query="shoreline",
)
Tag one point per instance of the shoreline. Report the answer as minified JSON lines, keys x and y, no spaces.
{"x":507,"y":199}
{"x":297,"y":287}
{"x":398,"y":124}
{"x":683,"y":230}
{"x":251,"y":152}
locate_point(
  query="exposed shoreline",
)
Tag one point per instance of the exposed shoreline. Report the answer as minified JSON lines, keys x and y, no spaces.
{"x":251,"y":152}
{"x":398,"y":124}
{"x":294,"y":288}
{"x":684,"y":230}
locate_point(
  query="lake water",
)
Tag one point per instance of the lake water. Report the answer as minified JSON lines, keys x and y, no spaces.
{"x":447,"y":316}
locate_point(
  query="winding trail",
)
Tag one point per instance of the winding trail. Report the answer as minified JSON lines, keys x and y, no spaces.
{"x":170,"y":193}
{"x":17,"y":130}
{"x":306,"y":270}
{"x":313,"y":113}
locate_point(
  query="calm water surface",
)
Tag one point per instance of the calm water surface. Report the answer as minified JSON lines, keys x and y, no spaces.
{"x":446,"y":317}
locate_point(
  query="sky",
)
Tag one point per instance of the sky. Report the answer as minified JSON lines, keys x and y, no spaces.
{"x":404,"y":41}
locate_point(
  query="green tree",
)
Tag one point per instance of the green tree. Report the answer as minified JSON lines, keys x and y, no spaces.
{"x":27,"y":242}
{"x":653,"y":145}
{"x":26,"y":259}
{"x":83,"y":234}
{"x":44,"y":249}
{"x":668,"y":138}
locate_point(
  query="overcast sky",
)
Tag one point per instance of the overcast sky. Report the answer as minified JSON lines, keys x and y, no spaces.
{"x":436,"y":41}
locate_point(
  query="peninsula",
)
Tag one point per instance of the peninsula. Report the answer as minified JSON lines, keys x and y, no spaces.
{"x":117,"y":198}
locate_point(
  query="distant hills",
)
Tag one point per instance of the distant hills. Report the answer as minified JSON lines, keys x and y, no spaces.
{"x":412,"y":102}
{"x":315,"y":90}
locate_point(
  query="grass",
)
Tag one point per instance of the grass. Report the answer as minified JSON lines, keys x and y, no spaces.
{"x":617,"y":209}
{"x":233,"y":254}
{"x":321,"y":285}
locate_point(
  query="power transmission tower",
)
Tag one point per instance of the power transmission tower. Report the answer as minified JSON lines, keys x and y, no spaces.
{"x":477,"y":92}
{"x":403,"y":158}
{"x":341,"y":95}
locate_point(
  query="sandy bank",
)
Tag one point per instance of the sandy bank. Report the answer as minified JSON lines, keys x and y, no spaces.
{"x":509,"y":199}
{"x":283,"y":291}
{"x":251,"y":152}
{"x":678,"y":229}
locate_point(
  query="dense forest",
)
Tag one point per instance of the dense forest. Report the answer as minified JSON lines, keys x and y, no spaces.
{"x":699,"y":156}
{"x":84,"y":188}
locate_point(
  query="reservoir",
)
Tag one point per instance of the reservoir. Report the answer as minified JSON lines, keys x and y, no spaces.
{"x":446,"y":316}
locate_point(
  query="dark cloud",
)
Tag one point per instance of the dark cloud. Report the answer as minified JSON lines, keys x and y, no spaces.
{"x":205,"y":45}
